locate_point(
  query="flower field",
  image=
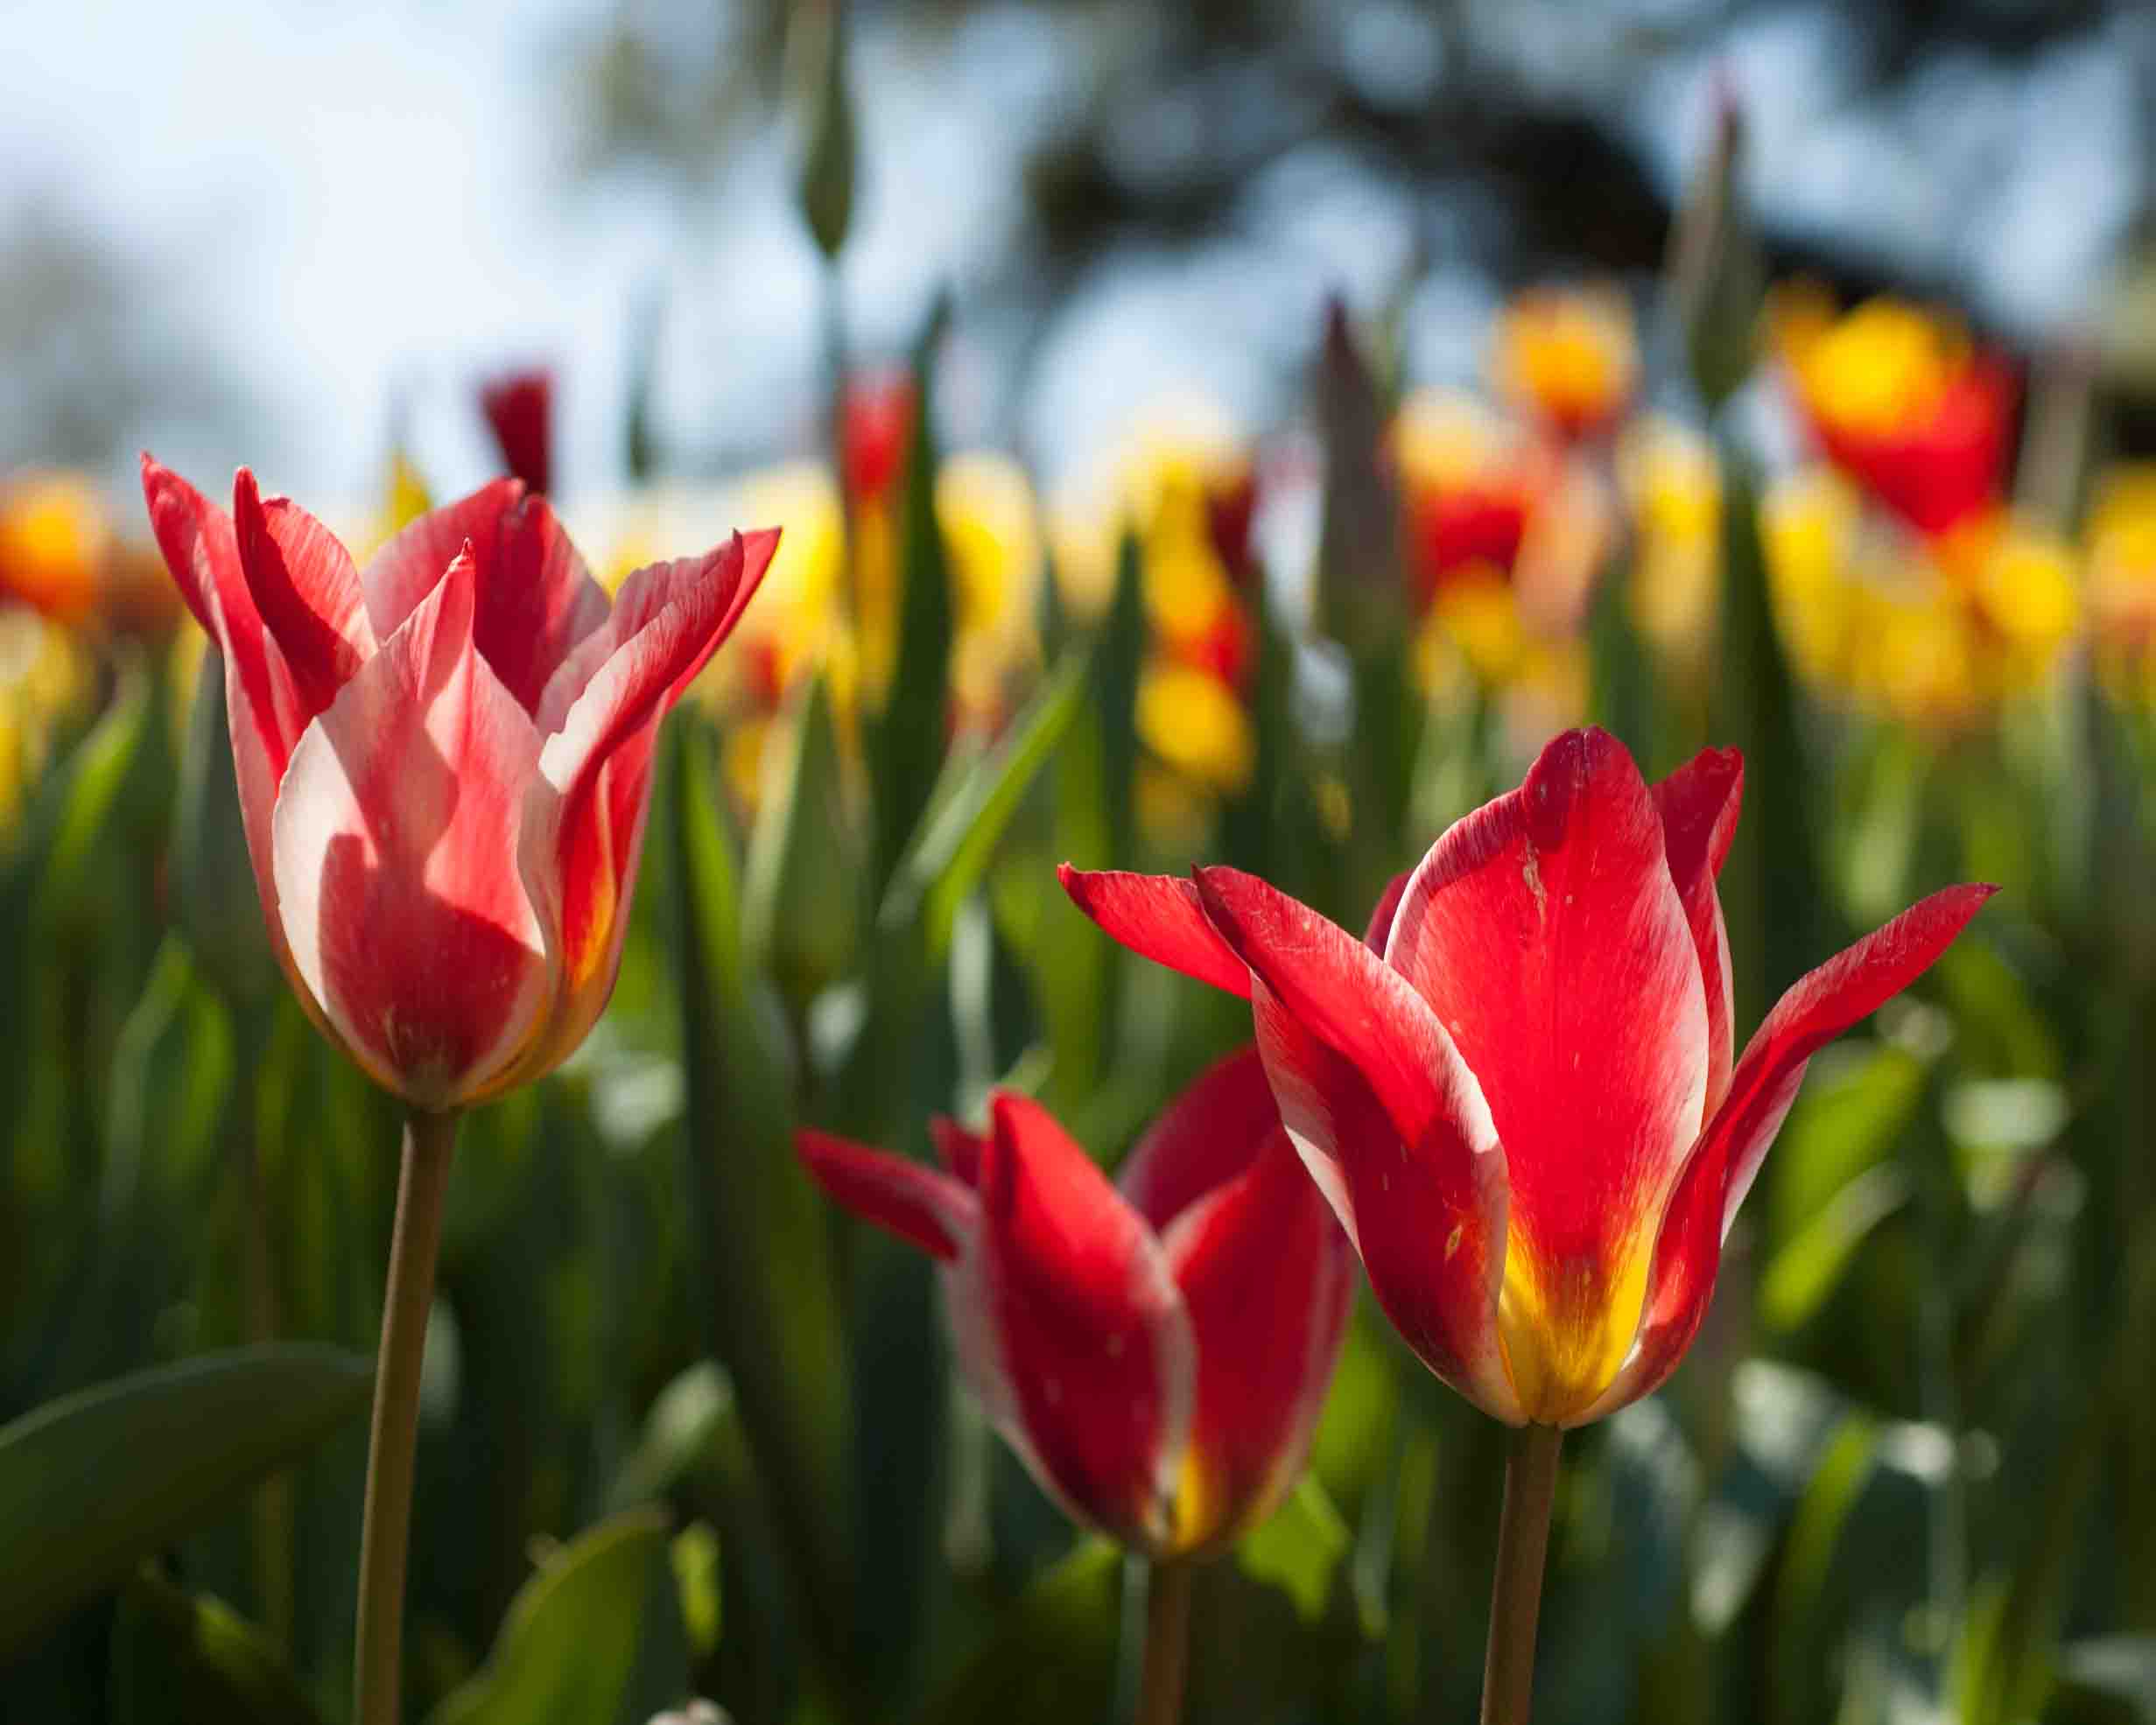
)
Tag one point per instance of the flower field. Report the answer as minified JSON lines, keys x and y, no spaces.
{"x":1487,"y":1042}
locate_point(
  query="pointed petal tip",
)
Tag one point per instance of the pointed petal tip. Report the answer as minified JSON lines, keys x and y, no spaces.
{"x":1160,"y":917}
{"x":919,"y":1205}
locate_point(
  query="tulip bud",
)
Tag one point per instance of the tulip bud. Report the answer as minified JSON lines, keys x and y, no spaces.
{"x":519,"y":411}
{"x":1361,"y":599}
{"x":1714,"y":276}
{"x":825,"y":187}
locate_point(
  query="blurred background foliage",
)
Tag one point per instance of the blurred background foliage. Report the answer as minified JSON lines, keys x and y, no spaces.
{"x":1216,"y":434}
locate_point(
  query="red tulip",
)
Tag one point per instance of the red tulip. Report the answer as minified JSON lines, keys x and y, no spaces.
{"x":519,"y":411}
{"x":1943,"y":467}
{"x":1156,"y":1349}
{"x":876,"y":428}
{"x":444,"y":762}
{"x":1519,"y":1095}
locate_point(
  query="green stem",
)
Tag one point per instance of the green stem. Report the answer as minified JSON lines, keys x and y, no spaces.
{"x":1516,"y":1590}
{"x":385,"y":1527}
{"x":1167,"y":1642}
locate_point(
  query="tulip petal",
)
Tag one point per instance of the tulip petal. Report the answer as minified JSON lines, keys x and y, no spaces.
{"x":520,"y":412}
{"x":306,"y":591}
{"x":712,"y":589}
{"x":1349,"y":998}
{"x":1698,"y":804}
{"x":1268,"y":1280}
{"x":922,"y":1205}
{"x":1388,"y":1119}
{"x":1097,"y":1356}
{"x":1546,"y":933}
{"x":613,"y":687}
{"x":1818,"y":1007}
{"x":1430,"y":1234}
{"x":960,"y":1149}
{"x":1159,"y":917}
{"x":262,"y":708}
{"x":395,"y":847}
{"x":537,"y":600}
{"x":1380,"y":929}
{"x":1209,"y":1134}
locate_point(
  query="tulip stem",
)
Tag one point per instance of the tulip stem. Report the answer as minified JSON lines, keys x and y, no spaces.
{"x":385,"y":1526}
{"x":1167,"y":1642}
{"x":1516,"y":1590}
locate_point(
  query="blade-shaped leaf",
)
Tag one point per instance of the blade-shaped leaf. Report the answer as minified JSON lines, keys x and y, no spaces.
{"x":1836,"y":1485}
{"x":1051,"y":1658}
{"x":906,"y":747}
{"x":178,"y":1658}
{"x":766,"y":1282}
{"x":1807,"y":1269}
{"x":943,"y":864}
{"x":1772,"y":890}
{"x":593,"y":1638}
{"x":92,"y":1483}
{"x":1299,"y":1548}
{"x":801,"y":910}
{"x":214,"y":899}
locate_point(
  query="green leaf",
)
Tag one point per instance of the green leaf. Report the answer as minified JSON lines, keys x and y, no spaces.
{"x":1118,"y":663}
{"x":1622,"y":679}
{"x":2121,"y":1667}
{"x":801,"y":910}
{"x":1051,"y":1657}
{"x":946,"y":861}
{"x":1772,"y":892}
{"x":906,"y":743}
{"x":92,"y":1483}
{"x":1807,"y":1269}
{"x":694,"y":1555}
{"x":940,"y":869}
{"x":759,"y":1237}
{"x":1855,"y":1108}
{"x":1837,"y":1484}
{"x":2003,"y":1665}
{"x":576,"y":1647}
{"x":179,"y":1657}
{"x":96,"y":781}
{"x":1298,"y":1548}
{"x":686,"y":1418}
{"x":214,"y":900}
{"x":1253,"y":827}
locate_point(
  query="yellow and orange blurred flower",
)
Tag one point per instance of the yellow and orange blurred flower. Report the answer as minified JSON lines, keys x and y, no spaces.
{"x":801,"y":623}
{"x":62,"y":554}
{"x":1937,"y":631}
{"x":46,"y":685}
{"x":2119,"y":541}
{"x":1505,"y":532}
{"x":1567,"y":358}
{"x":1902,"y":401}
{"x":1185,"y":484}
{"x":1672,"y":488}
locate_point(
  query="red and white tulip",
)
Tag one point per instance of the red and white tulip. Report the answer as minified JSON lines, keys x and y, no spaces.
{"x":444,"y":762}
